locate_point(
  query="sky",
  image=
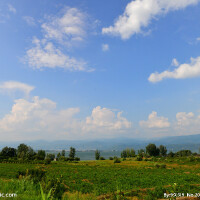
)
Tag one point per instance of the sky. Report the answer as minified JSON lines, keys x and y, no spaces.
{"x":85,"y":69}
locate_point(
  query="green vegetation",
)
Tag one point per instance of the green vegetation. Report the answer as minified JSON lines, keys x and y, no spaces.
{"x":140,"y":177}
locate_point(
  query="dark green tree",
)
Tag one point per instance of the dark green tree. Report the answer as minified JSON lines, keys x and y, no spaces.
{"x":50,"y":156}
{"x":8,"y":152}
{"x":124,"y":154}
{"x":72,"y":153}
{"x":163,"y":150}
{"x":22,"y":151}
{"x":97,"y":155}
{"x":41,"y":155}
{"x":152,"y":150}
{"x":63,"y":153}
{"x":58,"y":156}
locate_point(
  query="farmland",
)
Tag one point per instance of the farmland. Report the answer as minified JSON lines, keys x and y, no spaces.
{"x":105,"y":179}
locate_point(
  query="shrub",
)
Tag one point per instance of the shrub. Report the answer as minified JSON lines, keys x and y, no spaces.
{"x":110,"y":158}
{"x":101,"y":158}
{"x":76,"y":159}
{"x":139,"y":158}
{"x":117,"y":160}
{"x":47,"y":161}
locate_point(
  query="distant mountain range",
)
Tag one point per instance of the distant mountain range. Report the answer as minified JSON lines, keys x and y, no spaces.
{"x":174,"y":143}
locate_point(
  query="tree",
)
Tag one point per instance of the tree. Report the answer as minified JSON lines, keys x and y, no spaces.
{"x":152,"y":150}
{"x":41,"y":155}
{"x":97,"y":154}
{"x":72,"y":153}
{"x":58,"y":156}
{"x":132,"y":153}
{"x":141,"y":152}
{"x":22,"y":151}
{"x":50,"y":156}
{"x":163,"y":150}
{"x":63,"y":153}
{"x":8,"y":152}
{"x":124,"y":154}
{"x":128,"y":153}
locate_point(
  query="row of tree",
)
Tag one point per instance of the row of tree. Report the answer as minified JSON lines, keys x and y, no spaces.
{"x":24,"y":152}
{"x":153,"y":150}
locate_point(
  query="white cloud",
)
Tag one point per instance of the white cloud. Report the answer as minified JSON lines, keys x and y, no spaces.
{"x":46,"y":55}
{"x":59,"y":31}
{"x":11,"y":8}
{"x":105,"y":47}
{"x":184,"y":119}
{"x":175,"y":62}
{"x":29,"y":20}
{"x":68,"y":28}
{"x":198,"y":39}
{"x":183,"y":71}
{"x":187,"y":123}
{"x":155,"y":121}
{"x":9,"y":87}
{"x":139,"y":13}
{"x":106,"y":119}
{"x":40,"y":119}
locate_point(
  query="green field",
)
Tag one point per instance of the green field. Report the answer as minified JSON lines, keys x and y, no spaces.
{"x":129,"y":179}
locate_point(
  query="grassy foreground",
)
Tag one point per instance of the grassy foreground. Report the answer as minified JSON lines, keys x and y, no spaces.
{"x":129,"y":179}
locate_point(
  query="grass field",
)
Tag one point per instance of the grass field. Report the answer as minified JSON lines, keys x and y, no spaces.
{"x":129,"y":179}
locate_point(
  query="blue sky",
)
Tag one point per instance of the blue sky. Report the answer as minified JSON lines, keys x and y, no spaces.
{"x":86,"y":69}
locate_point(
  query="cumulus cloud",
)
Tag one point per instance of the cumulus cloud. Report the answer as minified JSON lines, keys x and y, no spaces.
{"x":105,"y":47}
{"x":106,"y":119}
{"x":68,"y":28}
{"x":10,"y":87}
{"x":39,"y":118}
{"x":154,"y":121}
{"x":187,"y":123}
{"x":11,"y":8}
{"x":45,"y":55}
{"x":184,"y":119}
{"x":29,"y":20}
{"x":139,"y":13}
{"x":183,"y":71}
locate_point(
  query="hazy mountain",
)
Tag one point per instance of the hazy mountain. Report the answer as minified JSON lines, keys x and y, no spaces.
{"x":175,"y":143}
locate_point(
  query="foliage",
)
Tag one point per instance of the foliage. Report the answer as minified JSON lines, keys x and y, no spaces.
{"x":163,"y":150}
{"x":152,"y":150}
{"x":97,"y":155}
{"x":72,"y":153}
{"x":117,"y":160}
{"x":50,"y":156}
{"x":41,"y":155}
{"x":128,"y":153}
{"x":8,"y":152}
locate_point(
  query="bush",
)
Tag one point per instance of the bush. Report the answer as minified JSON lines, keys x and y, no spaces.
{"x":101,"y":158}
{"x":117,"y":160}
{"x":76,"y":159}
{"x":139,"y":158}
{"x":47,"y":161}
{"x":110,"y":158}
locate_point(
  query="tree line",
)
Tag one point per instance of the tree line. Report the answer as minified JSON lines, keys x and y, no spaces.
{"x":26,"y":153}
{"x":150,"y":150}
